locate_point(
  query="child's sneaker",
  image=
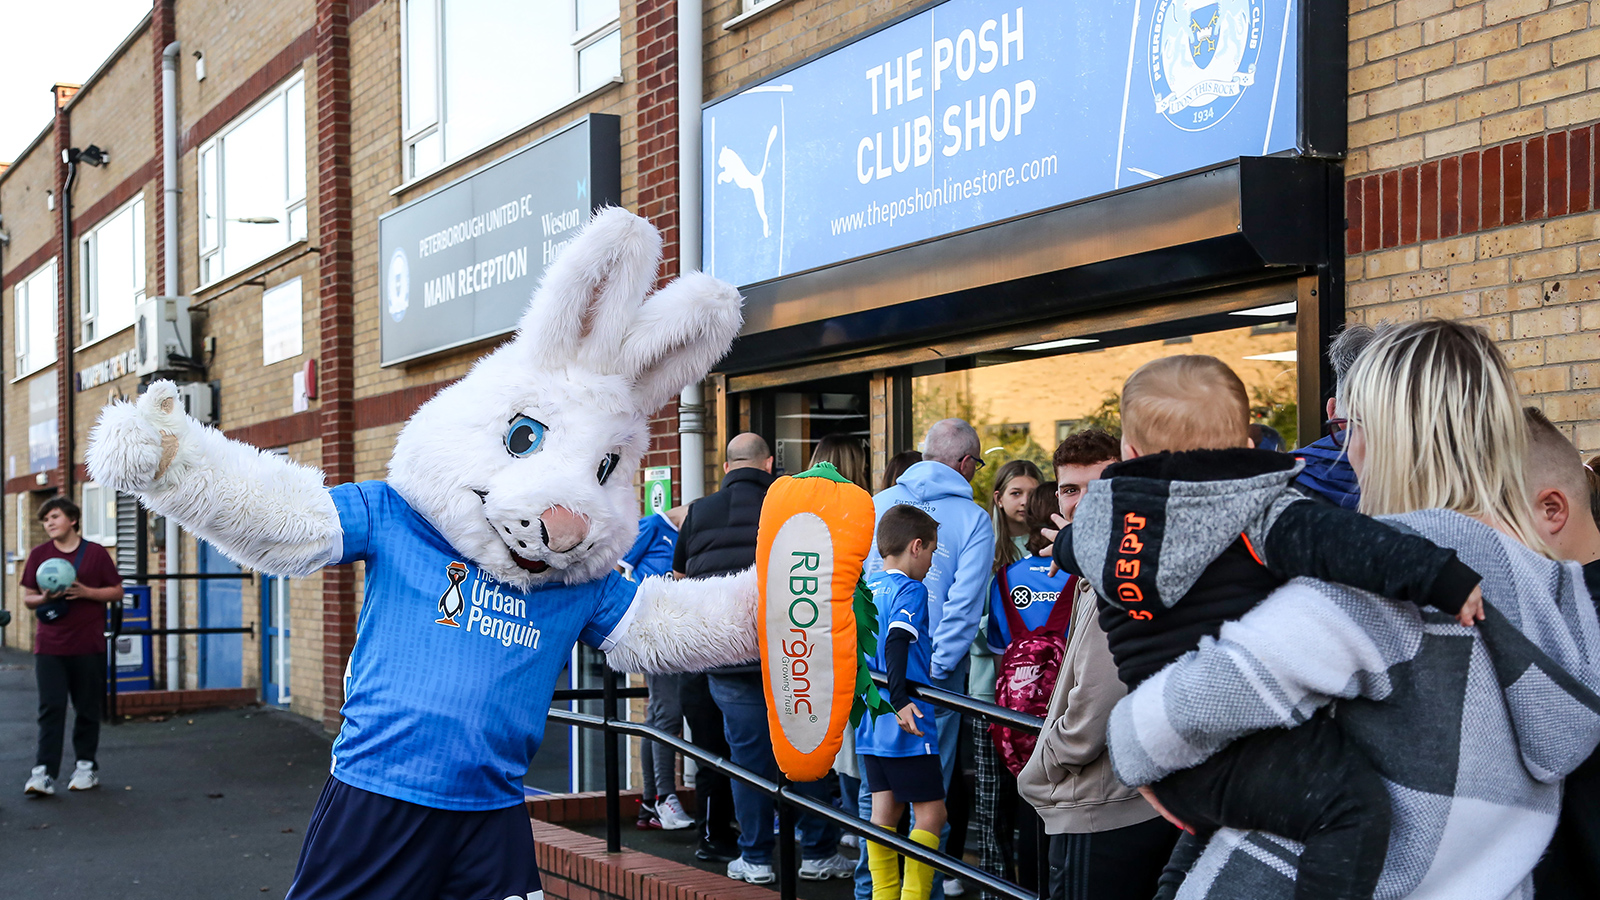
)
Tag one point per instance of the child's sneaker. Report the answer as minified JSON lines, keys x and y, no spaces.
{"x":84,"y":777}
{"x":40,"y":784}
{"x":834,"y":866}
{"x":953,"y":887}
{"x":672,"y":814}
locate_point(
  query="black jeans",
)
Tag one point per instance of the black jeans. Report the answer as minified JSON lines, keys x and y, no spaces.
{"x":1120,"y":864}
{"x":83,"y":679}
{"x":713,"y":793}
{"x":1309,"y":784}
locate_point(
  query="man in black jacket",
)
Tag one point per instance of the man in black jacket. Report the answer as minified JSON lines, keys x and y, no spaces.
{"x":718,"y":537}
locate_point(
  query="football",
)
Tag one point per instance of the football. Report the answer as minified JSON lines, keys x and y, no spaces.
{"x":55,"y":575}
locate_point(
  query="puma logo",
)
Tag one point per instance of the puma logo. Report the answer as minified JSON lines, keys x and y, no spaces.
{"x":734,"y":170}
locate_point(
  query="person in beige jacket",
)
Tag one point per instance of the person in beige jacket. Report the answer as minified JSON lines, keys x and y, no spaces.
{"x":1106,"y":842}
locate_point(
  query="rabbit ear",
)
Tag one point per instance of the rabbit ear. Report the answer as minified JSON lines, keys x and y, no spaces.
{"x":680,"y":333}
{"x":592,"y":292}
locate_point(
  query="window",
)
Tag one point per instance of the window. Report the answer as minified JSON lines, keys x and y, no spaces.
{"x":469,"y":66}
{"x":99,"y":522}
{"x":253,"y":184}
{"x":36,"y":319}
{"x":111,"y":258}
{"x":753,"y":5}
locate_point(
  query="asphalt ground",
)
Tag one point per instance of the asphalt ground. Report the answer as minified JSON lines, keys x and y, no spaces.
{"x":204,"y":805}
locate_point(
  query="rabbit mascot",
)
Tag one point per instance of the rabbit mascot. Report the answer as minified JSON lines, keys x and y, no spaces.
{"x":490,"y":549}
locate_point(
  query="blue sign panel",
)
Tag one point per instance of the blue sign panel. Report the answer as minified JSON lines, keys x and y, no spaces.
{"x":975,"y":111}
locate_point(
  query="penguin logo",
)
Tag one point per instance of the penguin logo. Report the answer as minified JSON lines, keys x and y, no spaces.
{"x":451,"y":603}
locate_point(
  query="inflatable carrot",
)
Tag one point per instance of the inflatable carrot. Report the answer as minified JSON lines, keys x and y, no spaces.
{"x":815,"y":533}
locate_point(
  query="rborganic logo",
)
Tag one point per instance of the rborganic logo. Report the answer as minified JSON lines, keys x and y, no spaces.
{"x":1202,"y":58}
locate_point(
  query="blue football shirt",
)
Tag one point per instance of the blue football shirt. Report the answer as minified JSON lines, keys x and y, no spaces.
{"x":452,"y":671}
{"x":651,"y":553}
{"x":902,"y":604}
{"x":1034,"y":592}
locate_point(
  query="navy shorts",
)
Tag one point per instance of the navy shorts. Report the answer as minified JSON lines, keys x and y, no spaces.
{"x":365,"y":846}
{"x":913,"y":779}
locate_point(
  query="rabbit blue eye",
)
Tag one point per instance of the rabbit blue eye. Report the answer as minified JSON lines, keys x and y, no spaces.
{"x":607,"y":466}
{"x":525,"y":436}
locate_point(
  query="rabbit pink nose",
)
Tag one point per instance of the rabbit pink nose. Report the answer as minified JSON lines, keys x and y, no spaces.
{"x":563,"y":528}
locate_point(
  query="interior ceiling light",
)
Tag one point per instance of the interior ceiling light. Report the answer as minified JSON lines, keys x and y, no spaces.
{"x":1056,"y":345}
{"x":1267,"y":312}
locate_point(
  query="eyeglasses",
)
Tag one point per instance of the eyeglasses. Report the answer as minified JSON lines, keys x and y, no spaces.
{"x":1339,"y":430}
{"x":975,"y":459}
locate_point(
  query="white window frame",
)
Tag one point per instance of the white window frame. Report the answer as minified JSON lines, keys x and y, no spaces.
{"x":27,"y":360}
{"x":89,"y":267}
{"x":414,"y":134}
{"x":213,"y":200}
{"x":95,"y":526}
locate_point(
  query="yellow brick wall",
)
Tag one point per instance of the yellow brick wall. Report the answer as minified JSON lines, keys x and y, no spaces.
{"x":1432,"y":78}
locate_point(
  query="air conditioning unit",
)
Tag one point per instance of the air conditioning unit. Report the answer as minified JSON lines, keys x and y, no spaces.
{"x":199,"y":401}
{"x":161,"y":332}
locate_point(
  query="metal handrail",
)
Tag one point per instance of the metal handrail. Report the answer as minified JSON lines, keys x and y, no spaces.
{"x":787,"y":799}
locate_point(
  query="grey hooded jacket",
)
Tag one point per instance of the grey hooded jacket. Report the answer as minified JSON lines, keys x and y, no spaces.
{"x":1472,"y":729}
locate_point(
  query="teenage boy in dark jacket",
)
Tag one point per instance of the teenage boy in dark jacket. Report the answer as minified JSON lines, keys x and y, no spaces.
{"x":1194,"y":529}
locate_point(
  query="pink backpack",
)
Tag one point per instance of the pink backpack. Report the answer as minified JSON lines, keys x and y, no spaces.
{"x":1027,"y":672}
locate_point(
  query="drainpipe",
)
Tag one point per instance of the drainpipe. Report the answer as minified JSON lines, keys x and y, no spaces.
{"x":691,"y":403}
{"x":169,"y":288}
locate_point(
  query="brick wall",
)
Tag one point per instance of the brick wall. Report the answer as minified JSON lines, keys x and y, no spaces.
{"x":1473,"y":179}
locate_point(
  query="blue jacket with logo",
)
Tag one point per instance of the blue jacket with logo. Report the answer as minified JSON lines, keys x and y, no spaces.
{"x":958,"y":582}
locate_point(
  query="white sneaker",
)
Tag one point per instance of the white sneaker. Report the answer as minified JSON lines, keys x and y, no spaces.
{"x":672,"y":815}
{"x":851,"y":841}
{"x":84,"y":777}
{"x":835,"y":866}
{"x":953,"y":887}
{"x":739,"y":870}
{"x":40,"y":783}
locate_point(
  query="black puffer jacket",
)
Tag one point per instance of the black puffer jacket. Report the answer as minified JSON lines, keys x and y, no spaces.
{"x":719,"y":533}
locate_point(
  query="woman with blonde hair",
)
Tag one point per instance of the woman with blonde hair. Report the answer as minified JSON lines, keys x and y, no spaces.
{"x":847,"y":455}
{"x":1472,"y":728}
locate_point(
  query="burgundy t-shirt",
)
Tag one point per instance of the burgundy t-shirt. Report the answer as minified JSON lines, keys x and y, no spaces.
{"x":83,"y":628}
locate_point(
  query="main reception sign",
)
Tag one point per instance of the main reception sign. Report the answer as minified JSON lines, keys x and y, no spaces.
{"x":975,"y":111}
{"x":460,"y":264}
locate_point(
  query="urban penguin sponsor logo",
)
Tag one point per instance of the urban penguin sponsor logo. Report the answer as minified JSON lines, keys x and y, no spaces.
{"x":491,"y":611}
{"x":398,"y":285}
{"x":1203,"y":57}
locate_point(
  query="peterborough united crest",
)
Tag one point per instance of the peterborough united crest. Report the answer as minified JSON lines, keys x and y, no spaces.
{"x":1203,"y":58}
{"x":399,"y":285}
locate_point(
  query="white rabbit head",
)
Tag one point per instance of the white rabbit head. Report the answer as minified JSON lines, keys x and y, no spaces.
{"x":527,"y":464}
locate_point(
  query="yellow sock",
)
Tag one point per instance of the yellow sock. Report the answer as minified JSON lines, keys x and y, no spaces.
{"x":919,"y":876}
{"x":884,"y":864}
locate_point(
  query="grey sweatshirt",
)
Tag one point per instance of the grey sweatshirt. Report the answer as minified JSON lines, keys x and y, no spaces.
{"x":1472,"y":729}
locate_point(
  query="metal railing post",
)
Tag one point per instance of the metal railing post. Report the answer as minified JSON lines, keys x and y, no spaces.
{"x":613,"y":763}
{"x":788,"y":868}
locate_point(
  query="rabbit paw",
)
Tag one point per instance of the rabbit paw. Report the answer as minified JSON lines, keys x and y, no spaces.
{"x":133,"y":446}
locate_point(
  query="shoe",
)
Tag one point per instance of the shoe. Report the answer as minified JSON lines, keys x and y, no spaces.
{"x":714,"y":851}
{"x":647,"y":822}
{"x":835,"y":866}
{"x":953,"y":887}
{"x":851,"y":841}
{"x":84,"y":777}
{"x":40,"y":784}
{"x":739,"y":870}
{"x":672,"y":815}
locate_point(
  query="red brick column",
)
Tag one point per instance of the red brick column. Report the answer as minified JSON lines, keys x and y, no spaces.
{"x":656,"y":57}
{"x":336,"y":293}
{"x":163,"y":31}
{"x":63,"y":137}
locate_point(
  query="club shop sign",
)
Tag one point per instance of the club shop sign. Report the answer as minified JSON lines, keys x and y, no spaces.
{"x":460,"y":263}
{"x":975,"y":111}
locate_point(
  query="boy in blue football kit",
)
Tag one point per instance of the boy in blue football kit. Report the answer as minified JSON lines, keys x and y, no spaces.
{"x":428,"y":765}
{"x":900,"y":756}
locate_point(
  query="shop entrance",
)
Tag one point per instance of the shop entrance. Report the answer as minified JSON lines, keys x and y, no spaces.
{"x":1025,"y":394}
